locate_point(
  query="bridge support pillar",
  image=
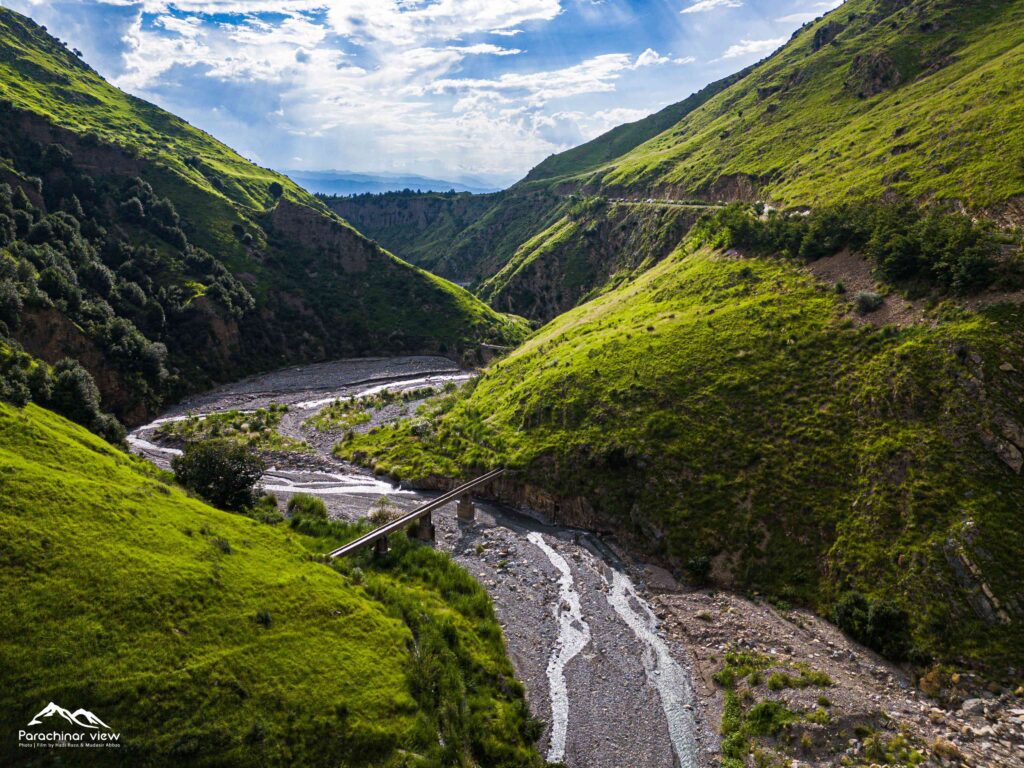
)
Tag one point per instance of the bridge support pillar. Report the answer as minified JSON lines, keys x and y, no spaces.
{"x":380,"y":547}
{"x":465,"y":510}
{"x":422,"y":529}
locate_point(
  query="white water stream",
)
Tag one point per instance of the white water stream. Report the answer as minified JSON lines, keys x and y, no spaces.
{"x":573,"y":637}
{"x":666,"y":674}
{"x":613,"y":723}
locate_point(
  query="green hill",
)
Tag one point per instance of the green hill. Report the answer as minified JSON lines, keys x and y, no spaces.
{"x":207,"y":638}
{"x":164,"y":262}
{"x":903,"y":97}
{"x":732,"y":415}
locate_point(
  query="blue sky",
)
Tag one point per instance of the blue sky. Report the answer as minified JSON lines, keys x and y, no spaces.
{"x":444,"y":88}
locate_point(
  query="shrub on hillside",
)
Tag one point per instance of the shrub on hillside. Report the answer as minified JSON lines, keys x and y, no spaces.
{"x":905,"y":242}
{"x":68,"y":389}
{"x":867,"y":302}
{"x":222,"y":472}
{"x":306,"y":507}
{"x":879,"y":624}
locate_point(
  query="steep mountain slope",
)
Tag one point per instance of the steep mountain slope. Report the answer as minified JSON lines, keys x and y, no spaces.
{"x":725,"y":413}
{"x":904,"y":97}
{"x":467,"y":238}
{"x":164,"y":262}
{"x":420,"y":226}
{"x":894,"y":98}
{"x":206,"y":638}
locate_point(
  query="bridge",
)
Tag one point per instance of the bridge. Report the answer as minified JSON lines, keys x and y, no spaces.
{"x":420,"y":518}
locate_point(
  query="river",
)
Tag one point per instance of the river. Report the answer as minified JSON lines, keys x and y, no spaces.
{"x":613,"y":689}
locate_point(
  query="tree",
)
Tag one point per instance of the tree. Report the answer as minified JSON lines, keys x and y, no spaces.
{"x":223,"y":472}
{"x":74,"y":393}
{"x":276,"y":190}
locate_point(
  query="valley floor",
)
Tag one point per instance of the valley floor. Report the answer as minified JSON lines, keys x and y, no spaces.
{"x":611,"y":688}
{"x":618,"y":660}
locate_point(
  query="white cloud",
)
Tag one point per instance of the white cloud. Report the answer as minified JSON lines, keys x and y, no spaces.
{"x":650,"y":57}
{"x":753,"y":47}
{"x":702,"y":6}
{"x":595,"y":75}
{"x":379,"y":83}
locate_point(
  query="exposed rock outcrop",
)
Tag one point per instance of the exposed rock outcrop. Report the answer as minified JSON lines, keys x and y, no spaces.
{"x":873,"y":73}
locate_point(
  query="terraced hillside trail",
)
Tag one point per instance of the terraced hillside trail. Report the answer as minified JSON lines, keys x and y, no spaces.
{"x":613,"y":689}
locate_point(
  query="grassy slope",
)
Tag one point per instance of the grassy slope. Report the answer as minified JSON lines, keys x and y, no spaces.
{"x":120,"y":595}
{"x":724,"y":408}
{"x":214,"y":188}
{"x":944,"y":134}
{"x":42,"y":77}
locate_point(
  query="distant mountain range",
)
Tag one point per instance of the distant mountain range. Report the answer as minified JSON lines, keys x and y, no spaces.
{"x":352,"y":183}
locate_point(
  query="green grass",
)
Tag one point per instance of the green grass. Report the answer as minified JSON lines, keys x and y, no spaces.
{"x":726,"y":407}
{"x":258,"y":429}
{"x":212,"y":639}
{"x":940,"y":134}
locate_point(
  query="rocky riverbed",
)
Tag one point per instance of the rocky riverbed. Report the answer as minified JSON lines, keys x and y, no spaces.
{"x":612,"y":688}
{"x":617,"y":658}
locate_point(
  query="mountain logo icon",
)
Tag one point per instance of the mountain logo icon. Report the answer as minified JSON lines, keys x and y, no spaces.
{"x":80,"y":717}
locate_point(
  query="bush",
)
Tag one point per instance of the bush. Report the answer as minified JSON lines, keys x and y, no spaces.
{"x":74,"y":393}
{"x":304,"y":506}
{"x":699,"y":568}
{"x":276,"y":190}
{"x":905,"y":242}
{"x":867,"y":302}
{"x":10,"y":304}
{"x":222,"y":472}
{"x":383,"y":512}
{"x":879,"y":624}
{"x":265,"y":510}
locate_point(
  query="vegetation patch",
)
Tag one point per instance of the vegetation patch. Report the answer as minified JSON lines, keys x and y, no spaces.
{"x":257,"y":429}
{"x":206,"y":637}
{"x":351,"y":412}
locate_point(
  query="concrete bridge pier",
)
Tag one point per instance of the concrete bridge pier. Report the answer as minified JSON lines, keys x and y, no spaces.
{"x":465,"y":510}
{"x":380,"y":547}
{"x":423,"y":528}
